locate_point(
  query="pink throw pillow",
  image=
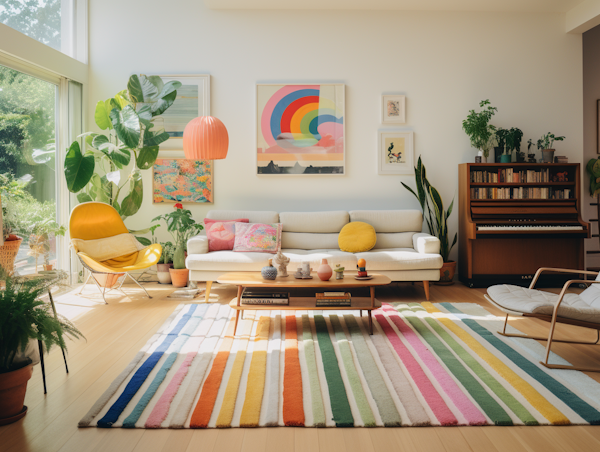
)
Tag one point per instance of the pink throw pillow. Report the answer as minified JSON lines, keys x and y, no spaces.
{"x":221,"y":233}
{"x":257,"y":237}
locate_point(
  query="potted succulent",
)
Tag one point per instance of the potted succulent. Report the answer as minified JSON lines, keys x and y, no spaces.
{"x":181,"y":226}
{"x":436,"y":218}
{"x":25,"y":319}
{"x":478,"y":128}
{"x":513,"y":143}
{"x":165,"y":263}
{"x":545,"y":145}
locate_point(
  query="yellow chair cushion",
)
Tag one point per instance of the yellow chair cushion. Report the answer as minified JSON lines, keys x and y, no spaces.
{"x":357,"y":237}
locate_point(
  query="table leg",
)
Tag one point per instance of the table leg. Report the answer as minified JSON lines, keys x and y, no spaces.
{"x":372,"y":290}
{"x":41,"y":348}
{"x":370,"y":323}
{"x":56,"y":317}
{"x":239,"y":303}
{"x":237,"y":316}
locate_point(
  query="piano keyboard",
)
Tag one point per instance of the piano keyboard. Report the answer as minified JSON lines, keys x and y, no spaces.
{"x":520,"y":227}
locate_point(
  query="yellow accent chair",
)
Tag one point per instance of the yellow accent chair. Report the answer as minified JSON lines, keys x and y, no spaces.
{"x":96,"y":225}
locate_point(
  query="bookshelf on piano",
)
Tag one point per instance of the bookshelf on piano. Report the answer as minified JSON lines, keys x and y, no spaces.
{"x":517,"y":217}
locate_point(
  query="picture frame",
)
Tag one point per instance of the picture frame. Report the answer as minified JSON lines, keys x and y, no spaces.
{"x":300,"y":129}
{"x":193,"y":100}
{"x":395,"y":152}
{"x":177,"y":180}
{"x":393,"y":109}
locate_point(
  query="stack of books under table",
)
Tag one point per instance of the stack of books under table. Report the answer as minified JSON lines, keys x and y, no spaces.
{"x":263,"y":298}
{"x":333,"y":299}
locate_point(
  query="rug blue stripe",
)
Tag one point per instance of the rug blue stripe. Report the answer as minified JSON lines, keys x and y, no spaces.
{"x":133,"y":417}
{"x":581,"y":407}
{"x":142,"y":373}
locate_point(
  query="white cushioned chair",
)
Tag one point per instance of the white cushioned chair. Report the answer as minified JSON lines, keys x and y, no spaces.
{"x":575,"y":309}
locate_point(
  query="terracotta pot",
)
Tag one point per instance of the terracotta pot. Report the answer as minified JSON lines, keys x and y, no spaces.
{"x":179,"y":277}
{"x":447,"y":274}
{"x":13,"y":386}
{"x":48,"y":267}
{"x":324,"y":271}
{"x":8,"y":254}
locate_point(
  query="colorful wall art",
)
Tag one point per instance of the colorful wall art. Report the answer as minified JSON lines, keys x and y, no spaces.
{"x":181,"y":180}
{"x":300,"y":129}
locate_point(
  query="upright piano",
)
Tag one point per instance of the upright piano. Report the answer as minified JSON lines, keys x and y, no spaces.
{"x":517,"y":217}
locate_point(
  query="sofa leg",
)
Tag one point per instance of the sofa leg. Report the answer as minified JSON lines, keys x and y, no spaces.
{"x":208,"y":286}
{"x":426,"y":287}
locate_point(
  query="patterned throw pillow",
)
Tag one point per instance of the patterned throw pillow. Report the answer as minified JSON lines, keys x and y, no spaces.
{"x":221,"y":234}
{"x":257,"y":237}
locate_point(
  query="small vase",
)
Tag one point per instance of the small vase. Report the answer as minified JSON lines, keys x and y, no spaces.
{"x":269,"y":272}
{"x":179,"y":276}
{"x":548,"y":155}
{"x":324,"y":271}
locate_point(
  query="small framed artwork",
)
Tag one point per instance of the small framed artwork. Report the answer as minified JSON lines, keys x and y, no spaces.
{"x":182,"y":180}
{"x":393,"y":109}
{"x":193,"y":100}
{"x":396,"y":153}
{"x":300,"y":129}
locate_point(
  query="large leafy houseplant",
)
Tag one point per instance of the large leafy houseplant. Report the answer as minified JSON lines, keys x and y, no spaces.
{"x":128,"y":121}
{"x":181,"y":226}
{"x":23,"y":317}
{"x":433,"y":210}
{"x":593,"y":170}
{"x":477,"y":126}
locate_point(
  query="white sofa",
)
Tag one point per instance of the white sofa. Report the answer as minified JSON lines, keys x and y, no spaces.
{"x":402,"y":251}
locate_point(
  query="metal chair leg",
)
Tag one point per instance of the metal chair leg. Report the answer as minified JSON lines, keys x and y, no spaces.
{"x":56,"y":317}
{"x":85,"y":283}
{"x":147,"y":294}
{"x":41,"y":348}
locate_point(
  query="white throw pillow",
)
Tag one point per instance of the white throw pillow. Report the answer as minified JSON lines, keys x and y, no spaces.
{"x":108,"y":247}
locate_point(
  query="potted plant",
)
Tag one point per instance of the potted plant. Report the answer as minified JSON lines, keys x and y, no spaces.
{"x":478,"y":128}
{"x":165,"y":263}
{"x":545,"y":144}
{"x":436,"y":218}
{"x":513,"y":143}
{"x":530,"y":154}
{"x":501,"y":155}
{"x":593,"y":170}
{"x":11,"y":190}
{"x":181,"y":226}
{"x":40,"y":233}
{"x":24,"y":318}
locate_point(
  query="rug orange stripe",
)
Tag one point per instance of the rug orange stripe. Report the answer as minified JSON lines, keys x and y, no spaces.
{"x":293,"y":403}
{"x":206,"y":403}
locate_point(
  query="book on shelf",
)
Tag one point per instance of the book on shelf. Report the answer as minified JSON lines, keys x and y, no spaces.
{"x":346,"y":302}
{"x":511,"y":176}
{"x":521,"y":193}
{"x":333,"y":296}
{"x":266,"y":298}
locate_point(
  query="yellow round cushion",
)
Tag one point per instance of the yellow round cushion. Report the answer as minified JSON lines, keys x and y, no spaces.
{"x":357,"y":237}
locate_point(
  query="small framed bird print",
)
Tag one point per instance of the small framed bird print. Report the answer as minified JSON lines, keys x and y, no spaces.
{"x":396,"y":152}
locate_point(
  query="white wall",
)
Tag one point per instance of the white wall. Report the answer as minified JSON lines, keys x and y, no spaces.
{"x":445,"y":63}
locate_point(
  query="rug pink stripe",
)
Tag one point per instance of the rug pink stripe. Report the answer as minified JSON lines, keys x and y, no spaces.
{"x":472,"y":414}
{"x":161,"y":409}
{"x":430,"y":394}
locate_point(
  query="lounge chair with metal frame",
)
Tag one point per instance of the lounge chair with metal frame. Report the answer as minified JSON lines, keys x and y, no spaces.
{"x":574,"y":309}
{"x":92,"y":221}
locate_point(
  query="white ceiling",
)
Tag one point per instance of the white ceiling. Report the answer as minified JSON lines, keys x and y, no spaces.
{"x":560,"y":6}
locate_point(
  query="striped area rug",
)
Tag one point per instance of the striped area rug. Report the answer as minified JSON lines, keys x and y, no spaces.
{"x":425,"y":364}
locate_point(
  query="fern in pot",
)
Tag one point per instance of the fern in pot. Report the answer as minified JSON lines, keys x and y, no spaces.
{"x":25,"y":319}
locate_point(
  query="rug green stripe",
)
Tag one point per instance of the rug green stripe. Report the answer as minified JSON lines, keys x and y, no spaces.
{"x":342,"y":415}
{"x":385,"y":404}
{"x":487,"y":403}
{"x":507,"y":398}
{"x":318,"y":409}
{"x":359,"y":394}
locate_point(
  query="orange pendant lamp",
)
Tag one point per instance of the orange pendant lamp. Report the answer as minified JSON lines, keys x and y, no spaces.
{"x":205,"y":138}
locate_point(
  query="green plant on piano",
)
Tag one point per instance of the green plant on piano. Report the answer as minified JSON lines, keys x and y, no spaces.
{"x":593,"y":170}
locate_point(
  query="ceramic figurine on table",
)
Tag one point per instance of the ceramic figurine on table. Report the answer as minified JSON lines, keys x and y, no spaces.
{"x":362,"y":268}
{"x":339,"y":272}
{"x":281,"y":261}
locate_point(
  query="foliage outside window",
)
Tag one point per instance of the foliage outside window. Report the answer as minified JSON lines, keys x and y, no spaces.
{"x":38,"y":19}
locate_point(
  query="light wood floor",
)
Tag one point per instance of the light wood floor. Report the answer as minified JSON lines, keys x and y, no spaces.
{"x":117,"y":331}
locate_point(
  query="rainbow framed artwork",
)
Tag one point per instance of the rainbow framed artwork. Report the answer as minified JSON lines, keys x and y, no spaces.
{"x":300,"y":129}
{"x":182,"y":180}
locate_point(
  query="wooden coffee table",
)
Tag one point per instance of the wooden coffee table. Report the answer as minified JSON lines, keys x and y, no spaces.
{"x":254,"y":279}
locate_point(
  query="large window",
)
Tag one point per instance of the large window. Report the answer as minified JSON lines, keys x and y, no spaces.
{"x":52,"y":22}
{"x":28,"y":133}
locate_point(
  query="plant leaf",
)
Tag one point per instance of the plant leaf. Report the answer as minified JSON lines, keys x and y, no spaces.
{"x":119,"y":155}
{"x":114,"y":176}
{"x":132,"y":202}
{"x":141,"y":89}
{"x":78,"y":168}
{"x":144,"y":240}
{"x":127,"y":125}
{"x":155,"y":138}
{"x":146,"y":157}
{"x":84,"y":197}
{"x":101,"y":115}
{"x":162,"y":104}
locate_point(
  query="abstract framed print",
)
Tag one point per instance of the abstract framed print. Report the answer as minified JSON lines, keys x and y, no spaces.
{"x":300,"y":129}
{"x":393,"y":109}
{"x":396,"y":152}
{"x":182,"y":180}
{"x":193,"y":100}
